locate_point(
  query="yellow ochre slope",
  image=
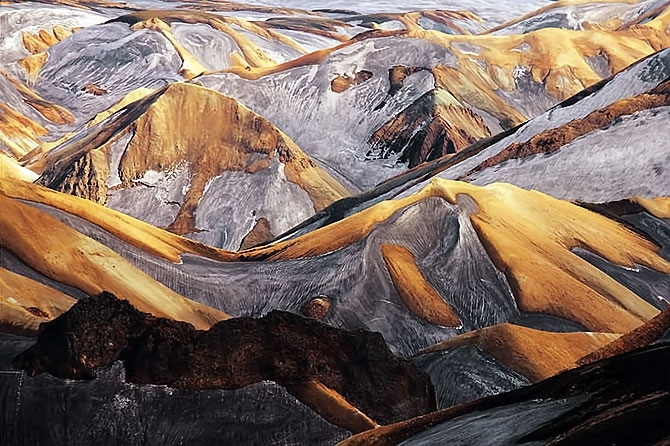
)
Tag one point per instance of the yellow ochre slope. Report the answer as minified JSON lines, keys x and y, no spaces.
{"x":530,"y":237}
{"x":201,"y":129}
{"x":67,"y":256}
{"x":534,"y":353}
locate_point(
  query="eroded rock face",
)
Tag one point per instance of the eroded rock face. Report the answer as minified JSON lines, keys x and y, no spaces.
{"x":281,"y":347}
{"x":432,"y":127}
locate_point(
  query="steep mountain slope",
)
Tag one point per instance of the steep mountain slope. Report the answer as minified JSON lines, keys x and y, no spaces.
{"x":25,"y":303}
{"x":457,"y":89}
{"x":200,"y":159}
{"x":217,"y":159}
{"x":408,"y":326}
{"x":9,"y":168}
{"x":493,"y":82}
{"x":534,"y":354}
{"x":625,"y":112}
{"x":76,"y":262}
{"x":469,"y":226}
{"x":597,"y":403}
{"x":416,"y":287}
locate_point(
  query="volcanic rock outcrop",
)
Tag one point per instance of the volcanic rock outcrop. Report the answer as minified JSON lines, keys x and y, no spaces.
{"x":201,"y":160}
{"x":434,"y":126}
{"x":282,"y":347}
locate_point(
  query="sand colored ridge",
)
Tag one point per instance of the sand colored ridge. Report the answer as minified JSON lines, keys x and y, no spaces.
{"x":642,"y":336}
{"x":144,"y":236}
{"x":190,"y":67}
{"x":69,"y":257}
{"x":657,"y":206}
{"x":32,"y":65}
{"x":535,"y":354}
{"x":18,"y":133}
{"x":25,"y":303}
{"x":332,"y":406}
{"x":37,"y":45}
{"x":9,"y":168}
{"x":530,"y":237}
{"x":185,"y":125}
{"x":414,"y":290}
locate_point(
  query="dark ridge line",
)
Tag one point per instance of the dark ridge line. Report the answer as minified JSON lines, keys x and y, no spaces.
{"x":616,"y":210}
{"x":601,"y":387}
{"x":57,"y":169}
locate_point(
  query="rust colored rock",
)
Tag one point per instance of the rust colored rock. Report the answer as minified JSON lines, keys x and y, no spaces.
{"x":37,"y":312}
{"x":427,"y":130}
{"x":551,"y":140}
{"x":260,"y":234}
{"x":316,"y":308}
{"x":344,"y":82}
{"x":281,"y":347}
{"x":94,"y":90}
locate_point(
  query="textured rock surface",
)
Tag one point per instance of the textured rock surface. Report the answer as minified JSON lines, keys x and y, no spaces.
{"x":280,"y":347}
{"x":593,"y":404}
{"x":485,"y":289}
{"x":48,"y":410}
{"x":217,"y":159}
{"x":605,"y":167}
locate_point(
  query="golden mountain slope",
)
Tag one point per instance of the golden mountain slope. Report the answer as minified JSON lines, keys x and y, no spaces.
{"x":658,"y":206}
{"x":415,"y":291}
{"x":9,"y":168}
{"x":24,"y":303}
{"x":187,"y":124}
{"x":18,"y":133}
{"x":40,"y":41}
{"x":530,"y":237}
{"x":37,"y":44}
{"x":144,"y":236}
{"x":555,"y":58}
{"x":533,"y":353}
{"x":644,"y":335}
{"x":65,"y":255}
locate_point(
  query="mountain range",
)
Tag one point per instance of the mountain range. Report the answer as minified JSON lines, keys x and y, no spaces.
{"x":304,"y":224}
